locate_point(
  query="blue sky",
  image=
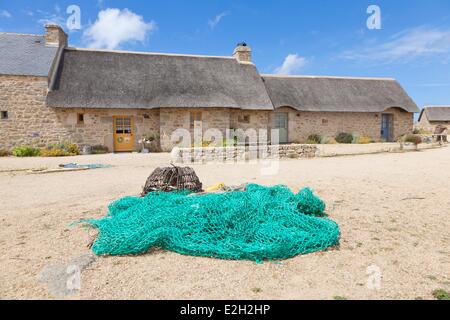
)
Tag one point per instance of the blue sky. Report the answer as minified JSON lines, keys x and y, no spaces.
{"x":320,"y":37}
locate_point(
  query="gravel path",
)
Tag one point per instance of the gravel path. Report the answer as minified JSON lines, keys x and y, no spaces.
{"x":393,"y":210}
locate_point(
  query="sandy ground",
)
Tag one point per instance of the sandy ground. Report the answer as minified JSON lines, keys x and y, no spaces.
{"x":393,"y":210}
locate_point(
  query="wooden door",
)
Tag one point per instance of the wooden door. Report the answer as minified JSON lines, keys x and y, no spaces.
{"x":386,"y":127}
{"x":281,"y":124}
{"x":123,"y":133}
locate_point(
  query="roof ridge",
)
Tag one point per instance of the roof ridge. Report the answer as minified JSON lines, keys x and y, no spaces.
{"x":149,"y":53}
{"x":23,"y":34}
{"x":324,"y":77}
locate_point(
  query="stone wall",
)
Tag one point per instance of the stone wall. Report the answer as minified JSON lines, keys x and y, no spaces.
{"x":31,"y":122}
{"x":302,"y":124}
{"x":243,"y":153}
{"x":172,"y":119}
{"x":425,"y":124}
{"x":212,"y":118}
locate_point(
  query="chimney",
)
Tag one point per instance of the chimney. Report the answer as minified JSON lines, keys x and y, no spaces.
{"x":243,"y":53}
{"x":55,"y":36}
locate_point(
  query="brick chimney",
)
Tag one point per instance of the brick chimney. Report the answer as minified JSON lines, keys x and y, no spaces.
{"x":55,"y":36}
{"x":243,"y":53}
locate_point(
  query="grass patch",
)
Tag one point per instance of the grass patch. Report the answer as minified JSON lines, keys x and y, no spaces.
{"x":441,"y":294}
{"x":339,"y":298}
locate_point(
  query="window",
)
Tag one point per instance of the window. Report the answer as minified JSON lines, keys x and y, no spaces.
{"x":4,"y":115}
{"x":244,"y":119}
{"x":80,"y":119}
{"x":195,"y":120}
{"x":324,"y":122}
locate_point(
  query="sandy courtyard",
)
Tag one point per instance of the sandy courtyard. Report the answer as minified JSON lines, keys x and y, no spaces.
{"x":393,"y":211}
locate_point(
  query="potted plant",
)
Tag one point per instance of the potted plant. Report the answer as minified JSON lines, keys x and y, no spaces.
{"x":149,"y":142}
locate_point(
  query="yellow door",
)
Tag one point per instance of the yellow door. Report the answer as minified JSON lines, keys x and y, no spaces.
{"x":123,"y":133}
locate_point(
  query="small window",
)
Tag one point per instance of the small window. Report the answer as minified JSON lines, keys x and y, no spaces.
{"x":324,"y":121}
{"x":4,"y":115}
{"x":80,"y":118}
{"x":244,"y":119}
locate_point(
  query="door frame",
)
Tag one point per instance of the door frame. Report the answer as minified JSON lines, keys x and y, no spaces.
{"x":287,"y":125}
{"x":131,"y":134}
{"x":389,"y":119}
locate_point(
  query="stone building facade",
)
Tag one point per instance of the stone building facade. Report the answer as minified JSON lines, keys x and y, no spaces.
{"x":48,"y":102}
{"x":432,"y":117}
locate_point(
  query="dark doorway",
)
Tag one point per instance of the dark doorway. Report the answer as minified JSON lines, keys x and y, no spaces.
{"x":386,"y":127}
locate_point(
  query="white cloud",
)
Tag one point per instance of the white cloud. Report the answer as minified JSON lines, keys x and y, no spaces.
{"x":5,"y":14}
{"x":115,"y":27}
{"x":53,"y":19}
{"x":291,"y":64}
{"x":49,"y":18}
{"x":214,"y":22}
{"x":405,"y":46}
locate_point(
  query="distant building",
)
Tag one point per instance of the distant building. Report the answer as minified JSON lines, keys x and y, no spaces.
{"x":50,"y":92}
{"x":433,"y":116}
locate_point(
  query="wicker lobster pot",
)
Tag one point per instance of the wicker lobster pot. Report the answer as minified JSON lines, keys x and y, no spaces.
{"x":172,"y":179}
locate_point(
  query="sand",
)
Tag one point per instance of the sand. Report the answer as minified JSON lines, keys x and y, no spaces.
{"x":393,"y":210}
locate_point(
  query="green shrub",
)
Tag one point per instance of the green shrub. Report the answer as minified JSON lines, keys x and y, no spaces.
{"x":328,"y":140}
{"x":344,"y":137}
{"x":55,"y":152}
{"x":441,"y":294}
{"x":25,"y":151}
{"x":421,"y":131}
{"x":63,"y":149}
{"x":99,"y":149}
{"x":412,"y":138}
{"x":4,"y":153}
{"x":310,"y":142}
{"x":317,"y":138}
{"x":364,"y":140}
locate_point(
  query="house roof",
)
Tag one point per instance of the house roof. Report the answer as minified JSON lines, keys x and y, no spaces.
{"x":114,"y":79}
{"x":436,"y":113}
{"x":22,"y":54}
{"x":338,"y":94}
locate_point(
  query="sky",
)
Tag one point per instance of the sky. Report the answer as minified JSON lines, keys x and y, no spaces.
{"x":405,"y":39}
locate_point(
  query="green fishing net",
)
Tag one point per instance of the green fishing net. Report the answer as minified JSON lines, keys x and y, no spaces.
{"x":256,"y":224}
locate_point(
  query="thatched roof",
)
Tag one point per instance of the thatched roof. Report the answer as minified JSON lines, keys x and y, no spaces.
{"x":436,"y":113}
{"x":330,"y":94}
{"x":108,"y":79}
{"x":25,"y":55}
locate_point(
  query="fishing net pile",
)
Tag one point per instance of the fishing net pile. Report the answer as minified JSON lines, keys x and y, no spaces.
{"x":255,"y":224}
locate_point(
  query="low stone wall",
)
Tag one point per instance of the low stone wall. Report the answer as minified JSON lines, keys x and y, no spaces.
{"x":292,"y":151}
{"x":243,"y":153}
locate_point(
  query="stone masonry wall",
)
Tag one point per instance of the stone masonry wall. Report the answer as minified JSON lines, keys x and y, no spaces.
{"x":31,"y":122}
{"x":302,"y":124}
{"x":172,"y":119}
{"x":243,"y":153}
{"x":212,"y":118}
{"x":427,"y":125}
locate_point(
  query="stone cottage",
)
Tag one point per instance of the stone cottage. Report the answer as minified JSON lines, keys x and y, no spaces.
{"x":50,"y":92}
{"x":433,"y":116}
